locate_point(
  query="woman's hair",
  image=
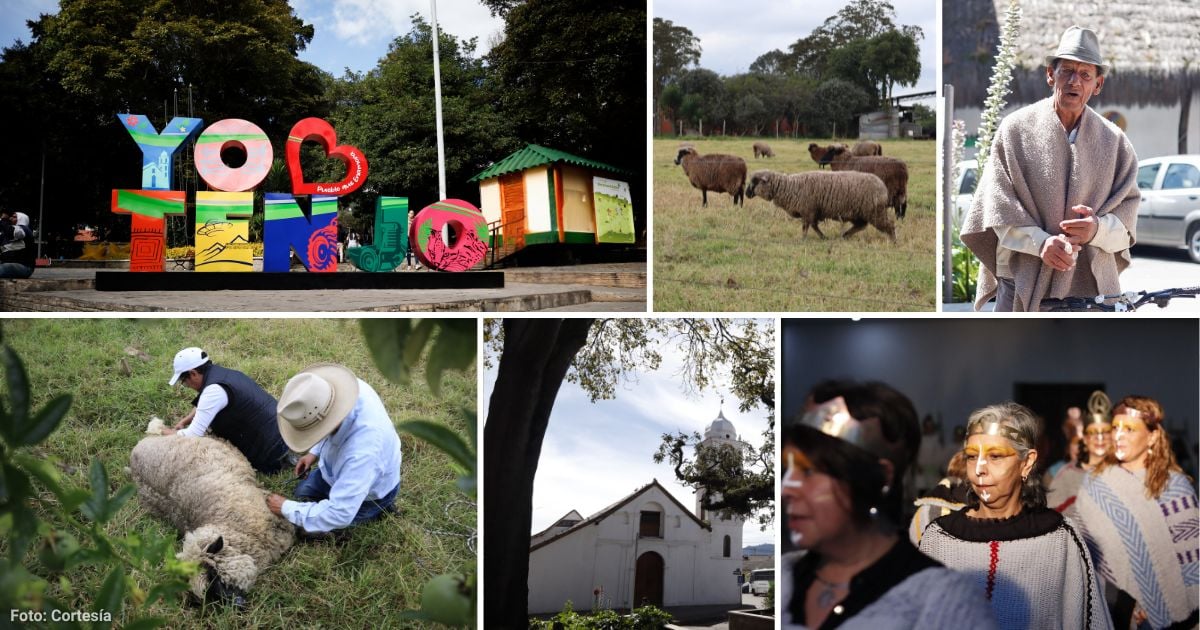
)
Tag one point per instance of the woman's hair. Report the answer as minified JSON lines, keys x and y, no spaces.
{"x":1160,"y":460}
{"x":1025,"y":429}
{"x":852,"y":465}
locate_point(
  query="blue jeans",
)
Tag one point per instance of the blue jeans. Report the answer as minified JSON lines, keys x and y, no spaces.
{"x":15,"y":270}
{"x":315,"y":488}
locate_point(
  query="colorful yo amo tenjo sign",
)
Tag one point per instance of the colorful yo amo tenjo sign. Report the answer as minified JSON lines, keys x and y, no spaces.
{"x":223,"y":214}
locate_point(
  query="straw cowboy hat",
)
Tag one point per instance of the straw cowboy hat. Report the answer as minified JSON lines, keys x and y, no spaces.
{"x":314,"y":403}
{"x":1079,"y":44}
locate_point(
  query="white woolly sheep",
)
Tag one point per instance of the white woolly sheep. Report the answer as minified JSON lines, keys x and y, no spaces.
{"x":762,"y":149}
{"x":206,"y":488}
{"x":820,"y":154}
{"x":893,"y":172}
{"x":715,"y":171}
{"x":859,"y":198}
{"x":866,"y":147}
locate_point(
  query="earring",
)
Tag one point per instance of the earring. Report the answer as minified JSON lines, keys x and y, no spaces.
{"x":873,"y":512}
{"x":885,"y":489}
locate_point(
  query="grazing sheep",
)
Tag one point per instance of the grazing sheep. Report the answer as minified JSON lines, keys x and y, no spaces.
{"x":866,"y":147}
{"x":859,"y":198}
{"x":893,"y":172}
{"x":763,"y":149}
{"x":715,"y":171}
{"x":206,"y":488}
{"x":820,"y":154}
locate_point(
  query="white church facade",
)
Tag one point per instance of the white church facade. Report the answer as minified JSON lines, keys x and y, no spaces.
{"x":645,"y":548}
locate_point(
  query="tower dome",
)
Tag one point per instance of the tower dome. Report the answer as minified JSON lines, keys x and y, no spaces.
{"x":720,"y":428}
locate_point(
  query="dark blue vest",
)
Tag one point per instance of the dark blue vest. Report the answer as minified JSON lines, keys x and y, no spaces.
{"x":248,"y":421}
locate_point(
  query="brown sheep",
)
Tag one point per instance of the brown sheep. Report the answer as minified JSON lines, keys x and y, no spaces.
{"x":763,"y":149}
{"x":820,"y":154}
{"x":716,"y":172}
{"x":893,"y":172}
{"x":867,"y":147}
{"x":859,"y":198}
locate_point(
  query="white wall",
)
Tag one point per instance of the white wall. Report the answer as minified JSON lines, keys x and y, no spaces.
{"x":537,"y":200}
{"x":603,"y":555}
{"x":489,"y":199}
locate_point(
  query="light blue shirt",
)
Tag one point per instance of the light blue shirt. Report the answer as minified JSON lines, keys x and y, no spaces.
{"x":360,"y":461}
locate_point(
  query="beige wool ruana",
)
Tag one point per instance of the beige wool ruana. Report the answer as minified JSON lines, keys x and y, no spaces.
{"x":1034,"y":176}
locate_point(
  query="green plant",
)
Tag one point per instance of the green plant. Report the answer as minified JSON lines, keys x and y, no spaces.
{"x":769,"y":599}
{"x":644,"y":618}
{"x":70,"y":524}
{"x":966,"y":270}
{"x":1006,"y":60}
{"x":396,"y":346}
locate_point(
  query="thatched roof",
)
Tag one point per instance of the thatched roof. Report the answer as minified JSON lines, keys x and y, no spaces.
{"x":1153,"y":48}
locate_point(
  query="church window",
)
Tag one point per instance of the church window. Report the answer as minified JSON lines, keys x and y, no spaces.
{"x":725,"y":550}
{"x":651,"y":525}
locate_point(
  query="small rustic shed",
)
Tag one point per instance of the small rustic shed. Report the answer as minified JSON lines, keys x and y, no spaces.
{"x":541,"y":195}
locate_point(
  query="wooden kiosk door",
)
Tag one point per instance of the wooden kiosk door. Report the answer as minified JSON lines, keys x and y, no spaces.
{"x":512,"y":209}
{"x":648,"y":580}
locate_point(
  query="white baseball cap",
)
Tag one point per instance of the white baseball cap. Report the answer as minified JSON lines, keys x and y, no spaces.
{"x":188,"y":359}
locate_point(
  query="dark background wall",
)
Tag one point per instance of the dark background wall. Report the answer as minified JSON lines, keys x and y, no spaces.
{"x":949,"y":367}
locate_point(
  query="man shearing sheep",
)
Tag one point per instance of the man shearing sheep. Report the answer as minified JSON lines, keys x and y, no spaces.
{"x":341,"y":422}
{"x":233,"y":407}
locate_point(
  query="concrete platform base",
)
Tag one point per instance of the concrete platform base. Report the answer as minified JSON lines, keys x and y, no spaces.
{"x":286,"y":281}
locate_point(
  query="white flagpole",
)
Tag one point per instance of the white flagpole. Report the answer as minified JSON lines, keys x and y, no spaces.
{"x":437,"y":99}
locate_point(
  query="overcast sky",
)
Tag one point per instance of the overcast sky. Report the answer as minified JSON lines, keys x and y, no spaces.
{"x":596,"y":454}
{"x":348,"y":33}
{"x":733,"y":35}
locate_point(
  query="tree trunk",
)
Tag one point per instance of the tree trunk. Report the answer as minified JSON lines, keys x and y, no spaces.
{"x":533,"y":364}
{"x":1185,"y":109}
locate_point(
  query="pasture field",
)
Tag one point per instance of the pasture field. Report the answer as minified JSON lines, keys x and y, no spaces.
{"x":367,"y":581}
{"x":753,"y":258}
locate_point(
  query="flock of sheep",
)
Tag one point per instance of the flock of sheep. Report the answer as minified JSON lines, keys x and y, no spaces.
{"x":859,"y":189}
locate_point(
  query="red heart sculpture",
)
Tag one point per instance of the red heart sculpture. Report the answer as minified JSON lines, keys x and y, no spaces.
{"x":319,"y":130}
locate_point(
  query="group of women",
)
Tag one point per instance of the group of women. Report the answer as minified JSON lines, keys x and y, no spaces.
{"x":1116,"y":548}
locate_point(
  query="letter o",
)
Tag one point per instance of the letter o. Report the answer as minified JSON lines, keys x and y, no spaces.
{"x":469,"y":226}
{"x":233,"y":132}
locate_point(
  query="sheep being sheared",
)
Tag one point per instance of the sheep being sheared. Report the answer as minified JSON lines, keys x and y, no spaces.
{"x":716,"y":172}
{"x":206,"y":488}
{"x":859,"y":198}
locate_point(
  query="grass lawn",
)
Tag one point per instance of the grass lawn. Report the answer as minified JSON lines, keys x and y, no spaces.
{"x":753,"y":258}
{"x":364,"y":583}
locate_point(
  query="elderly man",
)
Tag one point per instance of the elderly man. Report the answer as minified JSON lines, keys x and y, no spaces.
{"x":233,"y":407}
{"x":1054,"y":214}
{"x":340,"y":420}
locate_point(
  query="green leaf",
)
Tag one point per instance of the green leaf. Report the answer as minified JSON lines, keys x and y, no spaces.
{"x":454,"y":348}
{"x":119,"y":499}
{"x":45,"y":422}
{"x":443,"y":438}
{"x":165,"y":591}
{"x":96,"y":507}
{"x":18,"y":393}
{"x":42,"y":470}
{"x":415,"y":344}
{"x":386,"y":339}
{"x":111,"y":595}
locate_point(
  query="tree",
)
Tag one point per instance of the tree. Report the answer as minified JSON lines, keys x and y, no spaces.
{"x":893,"y":57}
{"x":835,"y":102}
{"x":535,"y":356}
{"x":675,"y":48}
{"x":773,"y":62}
{"x":858,"y":20}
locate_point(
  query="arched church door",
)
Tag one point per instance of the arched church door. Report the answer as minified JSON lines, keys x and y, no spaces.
{"x":648,"y":580}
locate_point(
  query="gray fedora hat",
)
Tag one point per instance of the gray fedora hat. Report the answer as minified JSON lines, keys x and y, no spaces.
{"x":1079,"y":44}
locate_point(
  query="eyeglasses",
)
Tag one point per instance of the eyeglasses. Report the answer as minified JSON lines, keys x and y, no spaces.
{"x":1064,"y":73}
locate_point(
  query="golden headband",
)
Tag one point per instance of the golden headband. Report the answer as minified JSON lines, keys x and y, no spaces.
{"x":992,"y":427}
{"x":1130,"y":412}
{"x":833,"y":418}
{"x":1098,"y":408}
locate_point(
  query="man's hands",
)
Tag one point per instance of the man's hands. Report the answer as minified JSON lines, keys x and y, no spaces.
{"x":186,"y":420}
{"x":1057,"y":252}
{"x":1081,"y":231}
{"x":305,"y":464}
{"x":275,"y":504}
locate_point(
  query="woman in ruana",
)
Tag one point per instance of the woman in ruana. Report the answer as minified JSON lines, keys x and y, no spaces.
{"x":1027,"y":559}
{"x":1139,"y":515}
{"x":842,"y":462}
{"x":1097,"y":442}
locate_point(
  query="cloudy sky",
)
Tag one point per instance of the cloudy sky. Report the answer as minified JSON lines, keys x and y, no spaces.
{"x":732,"y":36}
{"x":349,"y":33}
{"x":596,"y":454}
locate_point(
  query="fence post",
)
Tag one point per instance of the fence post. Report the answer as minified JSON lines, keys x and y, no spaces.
{"x":947,"y":205}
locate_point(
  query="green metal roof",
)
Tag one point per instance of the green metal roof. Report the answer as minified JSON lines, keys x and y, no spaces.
{"x":536,"y":155}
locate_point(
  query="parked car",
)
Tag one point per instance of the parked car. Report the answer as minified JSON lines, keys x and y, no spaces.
{"x":964,"y":188}
{"x":761,"y":581}
{"x":1169,"y":214}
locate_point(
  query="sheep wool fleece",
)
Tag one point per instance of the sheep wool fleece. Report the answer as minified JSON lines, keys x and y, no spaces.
{"x":1034,"y":176}
{"x":1146,"y":547}
{"x":1034,"y":568}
